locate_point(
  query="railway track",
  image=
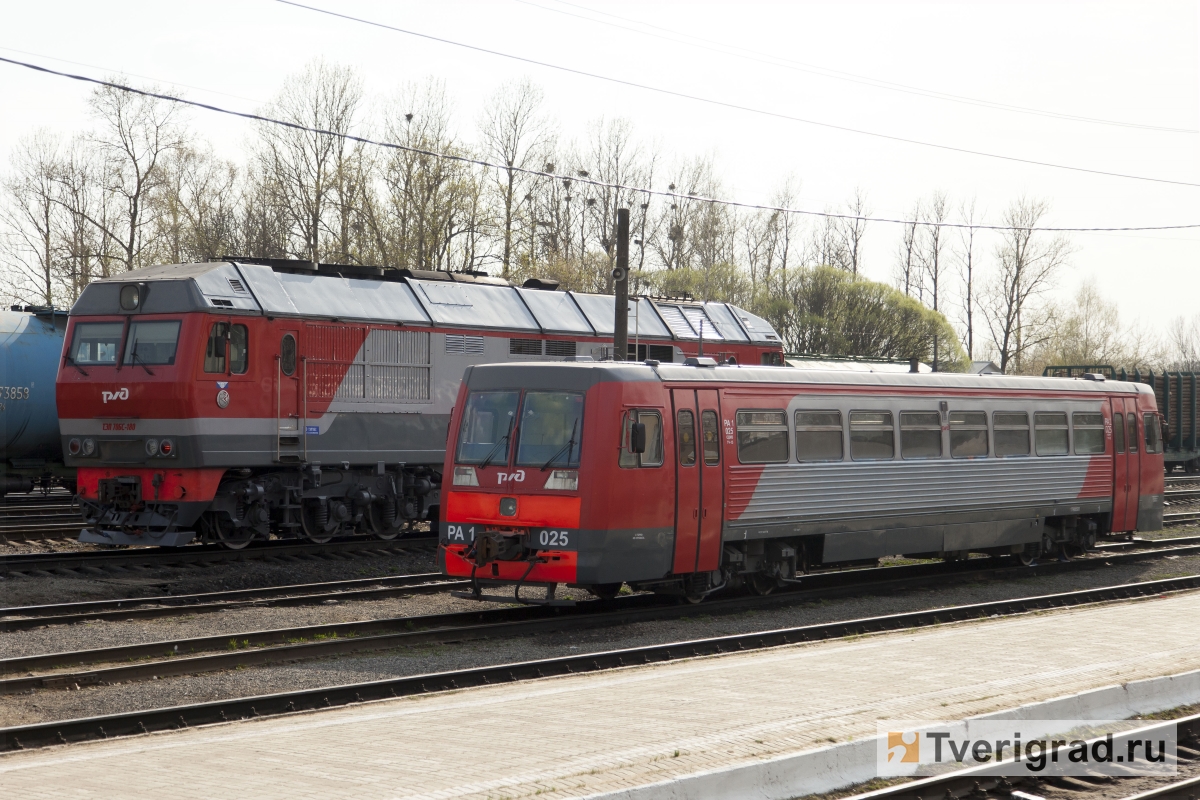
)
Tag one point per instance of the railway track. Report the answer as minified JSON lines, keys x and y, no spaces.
{"x":980,"y":783}
{"x":95,"y":562}
{"x":540,"y":619}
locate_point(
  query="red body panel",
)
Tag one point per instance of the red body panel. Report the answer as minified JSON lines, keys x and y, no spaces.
{"x":188,"y":485}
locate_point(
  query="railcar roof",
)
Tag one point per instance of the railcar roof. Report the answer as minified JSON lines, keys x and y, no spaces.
{"x":575,"y":374}
{"x":414,"y":299}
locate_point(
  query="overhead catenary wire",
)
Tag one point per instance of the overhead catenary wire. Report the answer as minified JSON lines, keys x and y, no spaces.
{"x":834,"y":74}
{"x":576,"y":178}
{"x":737,"y":106}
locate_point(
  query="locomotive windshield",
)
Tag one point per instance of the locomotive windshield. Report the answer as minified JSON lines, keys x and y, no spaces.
{"x":551,"y":429}
{"x":151,"y":342}
{"x":96,"y":343}
{"x":487,"y":427}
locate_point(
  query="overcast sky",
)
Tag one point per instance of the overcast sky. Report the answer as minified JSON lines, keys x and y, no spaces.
{"x":1133,"y":65}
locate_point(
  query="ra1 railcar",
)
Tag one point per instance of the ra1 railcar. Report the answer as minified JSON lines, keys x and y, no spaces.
{"x":31,"y":341}
{"x":236,"y":400}
{"x":685,"y":478}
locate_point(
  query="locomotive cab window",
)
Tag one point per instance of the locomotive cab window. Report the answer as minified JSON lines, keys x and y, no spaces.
{"x":214,"y":352}
{"x":1119,"y":433}
{"x":920,"y":434}
{"x":96,"y":343}
{"x":710,"y":436}
{"x":223,"y":337}
{"x":762,"y":437}
{"x":1050,"y":433}
{"x":818,"y":436}
{"x":872,"y":437}
{"x":652,"y":456}
{"x":1089,"y":432}
{"x":685,"y":429}
{"x":151,"y":343}
{"x":1012,"y":433}
{"x":1150,"y":423}
{"x":968,"y":434}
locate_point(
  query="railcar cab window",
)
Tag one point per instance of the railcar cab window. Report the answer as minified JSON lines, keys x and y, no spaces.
{"x":685,"y":429}
{"x":151,"y":343}
{"x":762,"y":437}
{"x":968,"y":434}
{"x":818,"y":436}
{"x":652,"y":456}
{"x":96,"y":343}
{"x":872,"y":437}
{"x":223,"y":336}
{"x":487,"y":426}
{"x":1012,"y":433}
{"x":1089,"y":432}
{"x":920,"y":434}
{"x":1151,"y":425}
{"x":1050,"y":433}
{"x":550,"y":430}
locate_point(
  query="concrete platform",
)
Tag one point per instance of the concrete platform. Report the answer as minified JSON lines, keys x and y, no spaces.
{"x":587,"y":734}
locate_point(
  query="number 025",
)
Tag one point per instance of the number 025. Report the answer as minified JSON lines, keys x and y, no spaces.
{"x":553,"y":538}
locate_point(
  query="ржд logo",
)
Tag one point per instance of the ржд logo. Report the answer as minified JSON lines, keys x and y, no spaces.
{"x":119,"y":394}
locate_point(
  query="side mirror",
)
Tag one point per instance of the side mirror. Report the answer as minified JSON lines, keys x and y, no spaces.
{"x":637,"y":437}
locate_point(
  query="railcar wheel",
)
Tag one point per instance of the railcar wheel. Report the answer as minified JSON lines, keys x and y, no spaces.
{"x":314,"y":519}
{"x":762,"y":585}
{"x":605,"y":591}
{"x":230,"y":536}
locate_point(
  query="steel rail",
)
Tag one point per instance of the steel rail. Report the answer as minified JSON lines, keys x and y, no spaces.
{"x":1181,"y":494}
{"x":1187,"y":789}
{"x":1181,"y":518}
{"x":174,"y":717}
{"x":196,"y":554}
{"x":17,"y":618}
{"x":314,"y":641}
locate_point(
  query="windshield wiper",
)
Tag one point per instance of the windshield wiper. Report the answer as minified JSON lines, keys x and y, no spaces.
{"x":570,"y":445}
{"x":71,"y":361}
{"x":496,"y":447}
{"x":135,"y":358}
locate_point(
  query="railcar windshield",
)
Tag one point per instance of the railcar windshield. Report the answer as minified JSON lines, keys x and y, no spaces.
{"x":551,"y":429}
{"x":486,"y":428}
{"x":151,"y":342}
{"x":96,"y":343}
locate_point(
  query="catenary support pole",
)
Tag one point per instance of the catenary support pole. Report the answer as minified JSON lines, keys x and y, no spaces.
{"x":621,"y":287}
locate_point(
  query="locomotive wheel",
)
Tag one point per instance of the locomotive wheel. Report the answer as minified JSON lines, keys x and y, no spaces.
{"x":762,"y":585}
{"x":232,"y":537}
{"x":313,"y":529}
{"x":605,"y":591}
{"x":377,"y":521}
{"x":1029,"y":555}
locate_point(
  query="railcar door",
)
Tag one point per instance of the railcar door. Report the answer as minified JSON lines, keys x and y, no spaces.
{"x":288,"y":402}
{"x":687,"y":481}
{"x":711,"y":481}
{"x":1120,"y":466}
{"x":1133,"y":464}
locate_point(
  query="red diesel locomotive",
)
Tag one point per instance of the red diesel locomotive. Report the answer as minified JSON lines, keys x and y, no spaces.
{"x":686,"y":478}
{"x":234,"y":400}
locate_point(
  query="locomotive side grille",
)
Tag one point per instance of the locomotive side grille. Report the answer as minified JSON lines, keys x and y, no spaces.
{"x":525,"y":347}
{"x":560,"y":348}
{"x":457,"y":344}
{"x":378,"y":366}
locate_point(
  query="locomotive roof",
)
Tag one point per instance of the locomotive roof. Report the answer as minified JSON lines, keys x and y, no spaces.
{"x":414,"y":298}
{"x":581,"y":375}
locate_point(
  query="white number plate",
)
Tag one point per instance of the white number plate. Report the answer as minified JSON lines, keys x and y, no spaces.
{"x":553,"y":539}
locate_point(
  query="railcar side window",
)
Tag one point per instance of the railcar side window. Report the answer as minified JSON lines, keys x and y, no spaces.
{"x":486,"y":428}
{"x":653,"y":457}
{"x":1089,"y":432}
{"x":96,"y":342}
{"x":1012,"y":433}
{"x":685,"y":428}
{"x":1151,"y":425}
{"x":1119,"y":433}
{"x":819,"y":436}
{"x":151,"y":342}
{"x":920,"y":434}
{"x":1132,"y":438}
{"x":871,"y":436}
{"x":968,"y":434}
{"x":762,"y":437}
{"x":1050,"y":433}
{"x":710,"y":433}
{"x":214,"y":352}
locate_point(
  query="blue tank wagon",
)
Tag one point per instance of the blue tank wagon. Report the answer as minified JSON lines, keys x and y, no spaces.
{"x":32,"y":451}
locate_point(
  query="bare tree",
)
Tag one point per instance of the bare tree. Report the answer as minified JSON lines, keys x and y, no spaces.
{"x":196,"y":214}
{"x":907,"y":277}
{"x":852,"y":230}
{"x":967,"y":266}
{"x":929,"y":254}
{"x":515,"y":134}
{"x":30,"y":217}
{"x":1028,"y":263}
{"x":136,"y":133}
{"x":306,"y":170}
{"x":1184,"y":339}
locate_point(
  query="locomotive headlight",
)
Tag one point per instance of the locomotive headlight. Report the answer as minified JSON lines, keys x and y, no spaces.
{"x":566,"y":479}
{"x":89,"y":447}
{"x":74,"y":446}
{"x":165,"y":448}
{"x":152,"y":447}
{"x":465,"y":476}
